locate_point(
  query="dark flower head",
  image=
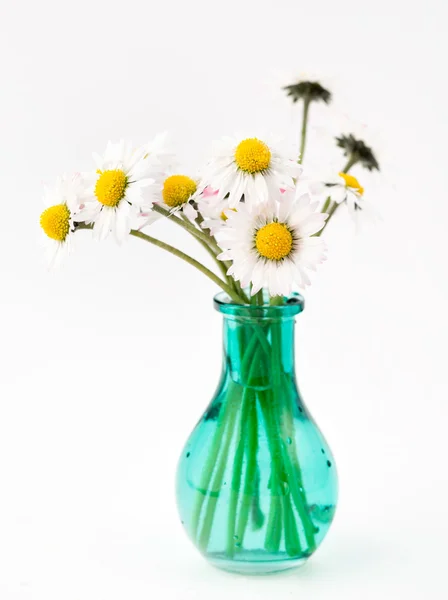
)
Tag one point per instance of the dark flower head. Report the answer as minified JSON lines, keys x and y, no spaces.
{"x":308,"y":90}
{"x":358,"y":152}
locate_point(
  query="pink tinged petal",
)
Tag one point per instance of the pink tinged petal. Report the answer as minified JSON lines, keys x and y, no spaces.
{"x":209,"y":192}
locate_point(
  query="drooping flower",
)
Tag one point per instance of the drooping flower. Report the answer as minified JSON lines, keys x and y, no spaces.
{"x":272,"y":245}
{"x":123,"y":185}
{"x":308,"y":90}
{"x":57,"y":220}
{"x":251,"y":168}
{"x":357,"y":152}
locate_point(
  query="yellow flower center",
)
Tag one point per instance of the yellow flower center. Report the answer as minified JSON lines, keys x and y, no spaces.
{"x":177,"y":190}
{"x":55,"y":221}
{"x":110,"y":187}
{"x":252,"y":156}
{"x":352,"y":182}
{"x":274,"y":241}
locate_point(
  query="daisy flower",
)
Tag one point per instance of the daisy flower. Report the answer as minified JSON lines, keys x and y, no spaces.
{"x":346,"y":188}
{"x":57,"y":220}
{"x":178,"y":193}
{"x":213,"y":210}
{"x":251,"y":168}
{"x":272,"y":245}
{"x":123,"y":185}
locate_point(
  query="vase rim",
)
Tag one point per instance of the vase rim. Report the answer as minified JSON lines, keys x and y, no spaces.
{"x":293,"y":305}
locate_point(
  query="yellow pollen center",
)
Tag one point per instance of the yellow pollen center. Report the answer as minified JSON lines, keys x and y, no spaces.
{"x":252,"y":156}
{"x":177,"y":190}
{"x":274,"y":241}
{"x":352,"y":182}
{"x":55,"y":221}
{"x":110,"y":187}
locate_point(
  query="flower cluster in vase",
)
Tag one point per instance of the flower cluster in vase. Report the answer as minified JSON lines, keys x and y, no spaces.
{"x":253,"y":208}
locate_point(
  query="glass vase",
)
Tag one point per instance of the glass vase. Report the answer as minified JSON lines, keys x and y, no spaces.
{"x":256,"y":481}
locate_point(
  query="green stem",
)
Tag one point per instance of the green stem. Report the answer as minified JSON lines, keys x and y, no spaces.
{"x":185,"y":224}
{"x":217,"y":480}
{"x":274,"y":526}
{"x":350,"y":163}
{"x":306,"y":107}
{"x":260,"y":298}
{"x":236,"y":476}
{"x":326,"y":205}
{"x":239,"y":455}
{"x":207,"y":472}
{"x":298,"y":489}
{"x":292,"y":540}
{"x":191,"y":261}
{"x":331,"y":212}
{"x":208,"y":248}
{"x":251,"y":455}
{"x":283,"y":418}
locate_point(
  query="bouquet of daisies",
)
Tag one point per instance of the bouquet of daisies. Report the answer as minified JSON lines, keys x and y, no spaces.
{"x":260,"y":218}
{"x":253,"y":209}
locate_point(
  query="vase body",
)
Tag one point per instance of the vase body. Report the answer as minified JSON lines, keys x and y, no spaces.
{"x":256,"y":481}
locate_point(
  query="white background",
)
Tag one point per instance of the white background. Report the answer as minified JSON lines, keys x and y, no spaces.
{"x":107,"y":363}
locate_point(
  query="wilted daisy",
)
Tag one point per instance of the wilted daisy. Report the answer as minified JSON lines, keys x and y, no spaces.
{"x":272,"y":245}
{"x":357,"y":151}
{"x":249,"y":167}
{"x":123,"y":185}
{"x":57,"y":220}
{"x":308,"y":89}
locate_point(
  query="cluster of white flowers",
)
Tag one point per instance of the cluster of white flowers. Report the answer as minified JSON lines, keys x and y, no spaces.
{"x":249,"y":200}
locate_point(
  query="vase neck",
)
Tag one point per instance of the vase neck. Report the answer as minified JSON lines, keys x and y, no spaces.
{"x":258,"y":350}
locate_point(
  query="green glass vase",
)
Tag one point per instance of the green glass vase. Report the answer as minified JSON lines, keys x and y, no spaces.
{"x":256,"y":481}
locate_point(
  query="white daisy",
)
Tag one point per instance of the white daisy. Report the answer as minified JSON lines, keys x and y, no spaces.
{"x":346,"y":188}
{"x":272,"y":245}
{"x":213,"y":210}
{"x":249,"y":167}
{"x":176,"y":193}
{"x":123,"y":185}
{"x":57,"y":220}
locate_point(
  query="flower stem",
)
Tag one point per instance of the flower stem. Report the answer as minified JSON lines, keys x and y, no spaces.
{"x":326,"y":205}
{"x":350,"y":163}
{"x":306,"y":107}
{"x":209,"y":249}
{"x":192,"y":261}
{"x":330,"y":213}
{"x":217,"y":479}
{"x":185,"y":224}
{"x":251,"y":453}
